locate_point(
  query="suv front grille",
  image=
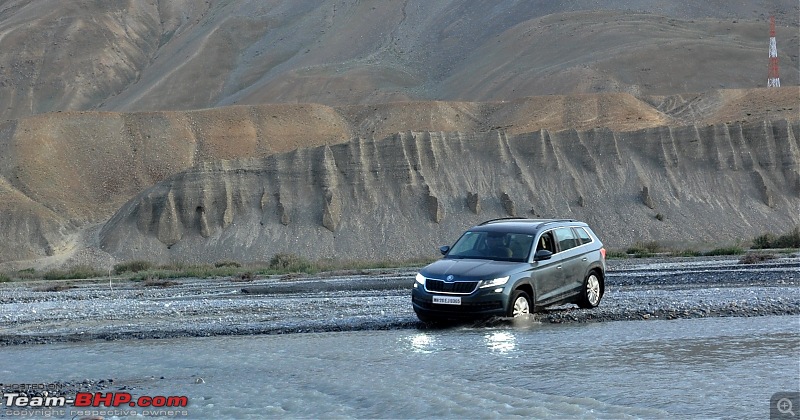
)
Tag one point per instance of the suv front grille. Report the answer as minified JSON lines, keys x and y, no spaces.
{"x":456,"y":287}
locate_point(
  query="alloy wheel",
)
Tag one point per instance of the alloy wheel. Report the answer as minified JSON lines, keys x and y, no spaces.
{"x":521,"y":306}
{"x":593,"y":290}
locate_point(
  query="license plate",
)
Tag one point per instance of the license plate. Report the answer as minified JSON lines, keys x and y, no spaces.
{"x":447,"y":300}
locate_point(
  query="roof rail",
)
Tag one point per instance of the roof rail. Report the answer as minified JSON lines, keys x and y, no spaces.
{"x":543,"y":222}
{"x":559,"y":221}
{"x":502,"y":218}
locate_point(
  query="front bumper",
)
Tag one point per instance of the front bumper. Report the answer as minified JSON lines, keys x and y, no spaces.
{"x":479,"y":304}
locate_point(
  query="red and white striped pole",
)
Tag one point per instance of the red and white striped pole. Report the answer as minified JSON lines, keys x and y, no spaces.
{"x":773,"y":80}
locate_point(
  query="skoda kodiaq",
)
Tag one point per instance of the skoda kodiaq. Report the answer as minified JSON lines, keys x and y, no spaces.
{"x":510,"y":267}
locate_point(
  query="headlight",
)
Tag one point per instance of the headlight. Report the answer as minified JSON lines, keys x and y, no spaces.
{"x":494,"y":282}
{"x":420,"y":278}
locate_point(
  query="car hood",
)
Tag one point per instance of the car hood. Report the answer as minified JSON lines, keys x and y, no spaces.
{"x":466,"y":269}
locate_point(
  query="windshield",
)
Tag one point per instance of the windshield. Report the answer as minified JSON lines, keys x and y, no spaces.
{"x":500,"y":246}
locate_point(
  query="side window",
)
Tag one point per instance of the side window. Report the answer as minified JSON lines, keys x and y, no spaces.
{"x":583,"y":236}
{"x":565,"y":238}
{"x":520,"y":245}
{"x":546,"y":242}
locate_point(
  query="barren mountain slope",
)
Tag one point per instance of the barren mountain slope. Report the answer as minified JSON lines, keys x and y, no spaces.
{"x":185,"y":54}
{"x":102,"y":100}
{"x":731,"y":105}
{"x":399,"y":196}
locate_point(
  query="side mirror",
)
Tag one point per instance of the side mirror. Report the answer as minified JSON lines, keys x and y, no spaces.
{"x":542,"y":254}
{"x":444,"y":249}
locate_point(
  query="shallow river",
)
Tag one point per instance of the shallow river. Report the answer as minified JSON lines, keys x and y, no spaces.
{"x":718,"y":367}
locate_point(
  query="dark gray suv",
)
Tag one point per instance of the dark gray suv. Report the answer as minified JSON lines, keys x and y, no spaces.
{"x":510,"y":267}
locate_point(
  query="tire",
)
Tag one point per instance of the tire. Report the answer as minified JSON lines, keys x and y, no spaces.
{"x":591,"y":291}
{"x":520,"y":304}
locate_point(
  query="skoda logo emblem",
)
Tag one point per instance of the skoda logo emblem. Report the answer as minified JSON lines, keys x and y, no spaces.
{"x":449,"y":278}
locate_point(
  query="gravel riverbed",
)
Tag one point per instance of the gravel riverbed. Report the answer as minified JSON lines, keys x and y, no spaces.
{"x":652,"y":288}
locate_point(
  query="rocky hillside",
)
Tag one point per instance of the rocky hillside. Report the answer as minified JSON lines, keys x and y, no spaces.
{"x":64,"y":173}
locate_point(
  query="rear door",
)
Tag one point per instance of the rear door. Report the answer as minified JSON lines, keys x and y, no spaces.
{"x":572,"y":260}
{"x":583,"y":241}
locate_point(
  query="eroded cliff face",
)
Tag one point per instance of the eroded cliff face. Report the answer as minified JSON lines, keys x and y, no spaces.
{"x":404,"y":195}
{"x":29,"y":227}
{"x":65,"y":172}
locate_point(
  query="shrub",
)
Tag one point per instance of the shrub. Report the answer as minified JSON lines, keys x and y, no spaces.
{"x":227,"y":263}
{"x":58,"y":287}
{"x":752,"y":258}
{"x":616,"y":254}
{"x":27,"y":274}
{"x":764,"y":241}
{"x":788,"y":240}
{"x":77,"y":272}
{"x":687,"y":253}
{"x":290,"y":263}
{"x":641,"y":249}
{"x":244,"y":277}
{"x":132,"y":267}
{"x":154,"y":281}
{"x":730,"y":250}
{"x":4,"y":278}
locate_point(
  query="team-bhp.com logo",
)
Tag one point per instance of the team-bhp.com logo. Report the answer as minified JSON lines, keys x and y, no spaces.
{"x":111,"y":399}
{"x":86,"y":403}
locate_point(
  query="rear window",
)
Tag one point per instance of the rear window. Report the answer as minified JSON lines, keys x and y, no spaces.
{"x":565,"y":238}
{"x":583,"y":236}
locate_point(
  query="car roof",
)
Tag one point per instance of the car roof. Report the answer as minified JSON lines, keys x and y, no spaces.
{"x":521,"y":225}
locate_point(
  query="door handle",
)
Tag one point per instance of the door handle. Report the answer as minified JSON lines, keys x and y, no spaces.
{"x":584,"y":259}
{"x":558,"y":267}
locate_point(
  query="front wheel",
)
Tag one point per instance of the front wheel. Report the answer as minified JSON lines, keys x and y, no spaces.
{"x":591,"y":292}
{"x":520,"y":304}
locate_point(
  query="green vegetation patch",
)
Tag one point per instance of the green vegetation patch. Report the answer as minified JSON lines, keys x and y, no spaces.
{"x":651,"y":249}
{"x":729,"y":250}
{"x":227,"y":263}
{"x":132,"y":266}
{"x":770,"y":241}
{"x":77,"y":272}
{"x":616,"y":254}
{"x":644,"y":249}
{"x":291,"y":263}
{"x":686,"y":253}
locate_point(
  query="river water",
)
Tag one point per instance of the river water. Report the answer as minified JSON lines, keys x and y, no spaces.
{"x":710,"y":367}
